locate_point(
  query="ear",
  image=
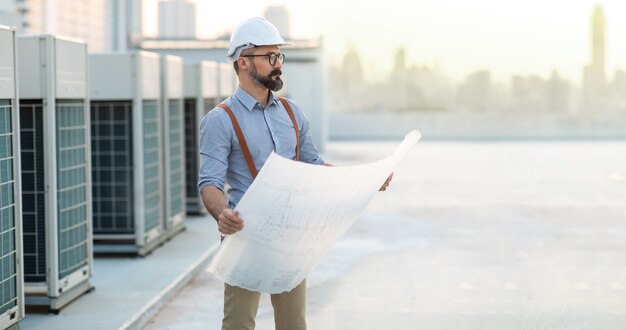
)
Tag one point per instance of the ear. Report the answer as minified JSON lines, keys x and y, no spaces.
{"x":242,"y":62}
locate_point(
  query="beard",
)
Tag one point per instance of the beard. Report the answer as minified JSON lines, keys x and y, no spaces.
{"x":266,"y":81}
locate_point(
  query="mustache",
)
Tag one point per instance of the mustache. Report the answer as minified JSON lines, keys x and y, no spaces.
{"x":276,"y":72}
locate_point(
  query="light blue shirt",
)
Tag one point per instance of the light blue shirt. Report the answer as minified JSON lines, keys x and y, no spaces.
{"x":265,"y":130}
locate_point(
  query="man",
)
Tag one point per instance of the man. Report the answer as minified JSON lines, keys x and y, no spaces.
{"x":236,"y":139}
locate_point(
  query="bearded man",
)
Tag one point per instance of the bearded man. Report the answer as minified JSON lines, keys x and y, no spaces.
{"x":236,"y":138}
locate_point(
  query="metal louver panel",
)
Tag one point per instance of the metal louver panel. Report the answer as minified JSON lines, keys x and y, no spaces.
{"x":193,"y":115}
{"x":112,"y":167}
{"x":33,"y":194}
{"x":191,"y":151}
{"x":8,"y":229}
{"x":72,"y":186}
{"x":152,"y":184}
{"x":176,"y":157}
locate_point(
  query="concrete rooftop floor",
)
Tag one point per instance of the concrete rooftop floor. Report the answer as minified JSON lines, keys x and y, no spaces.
{"x":471,"y":235}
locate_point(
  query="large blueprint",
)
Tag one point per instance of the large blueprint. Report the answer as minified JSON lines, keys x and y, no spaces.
{"x":293,"y":212}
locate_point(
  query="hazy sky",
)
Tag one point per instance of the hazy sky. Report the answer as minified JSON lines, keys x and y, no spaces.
{"x":505,"y":37}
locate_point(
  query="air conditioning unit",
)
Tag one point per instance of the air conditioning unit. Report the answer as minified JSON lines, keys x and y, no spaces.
{"x":126,"y":132}
{"x":173,"y":143}
{"x":201,"y":92}
{"x":56,"y":169}
{"x":11,"y":255}
{"x":227,"y":81}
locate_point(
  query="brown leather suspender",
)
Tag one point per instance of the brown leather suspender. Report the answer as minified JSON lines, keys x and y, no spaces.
{"x":242,"y":140}
{"x":295,"y":125}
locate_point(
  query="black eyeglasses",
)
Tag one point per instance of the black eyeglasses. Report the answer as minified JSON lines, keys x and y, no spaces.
{"x":272,"y":57}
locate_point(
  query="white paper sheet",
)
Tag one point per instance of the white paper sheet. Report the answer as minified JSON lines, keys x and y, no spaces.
{"x":293,"y":212}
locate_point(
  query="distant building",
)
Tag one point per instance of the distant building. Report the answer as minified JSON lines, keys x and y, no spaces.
{"x":279,"y":16}
{"x":534,"y":94}
{"x":177,"y":19}
{"x":6,"y":5}
{"x":528,"y":94}
{"x":475,"y":91}
{"x":8,"y":13}
{"x":430,"y":89}
{"x":85,"y":20}
{"x":616,"y":91}
{"x":594,"y":77}
{"x":125,"y":26}
{"x":347,"y":87}
{"x":399,"y":81}
{"x":558,"y":94}
{"x":9,"y":18}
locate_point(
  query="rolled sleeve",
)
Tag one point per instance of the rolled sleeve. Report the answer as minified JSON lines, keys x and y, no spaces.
{"x":215,"y":143}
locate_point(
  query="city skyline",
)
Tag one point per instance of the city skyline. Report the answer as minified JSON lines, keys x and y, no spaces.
{"x":507,"y":39}
{"x":409,"y":87}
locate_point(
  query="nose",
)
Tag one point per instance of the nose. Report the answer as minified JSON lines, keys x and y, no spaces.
{"x":278,"y":65}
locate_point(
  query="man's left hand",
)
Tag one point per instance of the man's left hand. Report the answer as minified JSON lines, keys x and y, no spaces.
{"x":386,"y":184}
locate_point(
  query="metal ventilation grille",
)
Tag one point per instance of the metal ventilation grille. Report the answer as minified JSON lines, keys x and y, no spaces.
{"x":33,"y":193}
{"x":8,"y":251}
{"x":191,"y":149}
{"x":112,"y":167}
{"x":192,"y":144}
{"x":176,"y":157}
{"x":152,"y":192}
{"x":71,"y":186}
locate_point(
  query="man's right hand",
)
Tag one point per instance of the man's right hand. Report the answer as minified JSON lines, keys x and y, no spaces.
{"x":229,"y":222}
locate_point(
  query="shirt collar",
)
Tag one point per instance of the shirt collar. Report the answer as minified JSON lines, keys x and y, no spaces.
{"x":249,"y":102}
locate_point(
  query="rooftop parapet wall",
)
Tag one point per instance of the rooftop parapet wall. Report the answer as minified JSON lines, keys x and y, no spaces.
{"x":356,"y":126}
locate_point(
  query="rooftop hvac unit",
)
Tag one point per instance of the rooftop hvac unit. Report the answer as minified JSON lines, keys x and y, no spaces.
{"x":201,"y":93}
{"x":173,"y":143}
{"x":56,"y":169}
{"x":126,"y":152}
{"x":227,"y":80}
{"x":11,"y":256}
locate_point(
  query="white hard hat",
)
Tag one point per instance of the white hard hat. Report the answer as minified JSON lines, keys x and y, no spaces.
{"x":253,"y":32}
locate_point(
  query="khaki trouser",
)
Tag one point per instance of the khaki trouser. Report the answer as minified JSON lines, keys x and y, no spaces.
{"x":241,"y":305}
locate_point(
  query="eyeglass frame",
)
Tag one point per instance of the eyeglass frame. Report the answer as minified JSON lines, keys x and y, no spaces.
{"x":277,"y":57}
